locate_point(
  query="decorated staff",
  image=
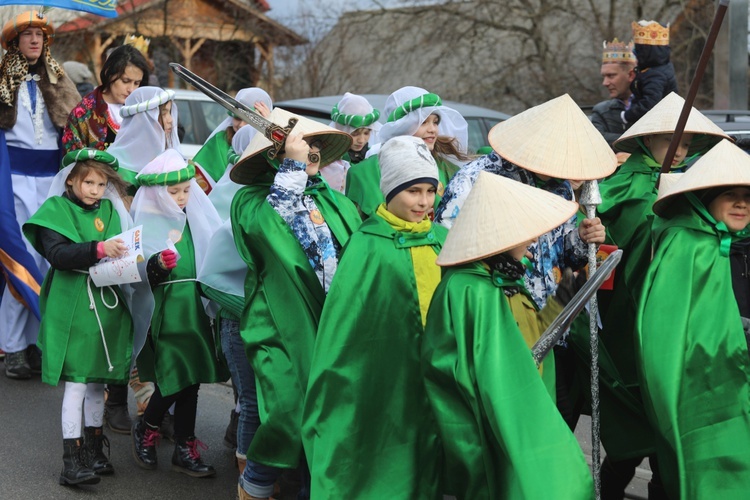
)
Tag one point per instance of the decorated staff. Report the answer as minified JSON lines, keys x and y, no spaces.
{"x":574,"y":150}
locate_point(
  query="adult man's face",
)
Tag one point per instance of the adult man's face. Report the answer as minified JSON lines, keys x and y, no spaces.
{"x":617,"y":78}
{"x":30,"y":43}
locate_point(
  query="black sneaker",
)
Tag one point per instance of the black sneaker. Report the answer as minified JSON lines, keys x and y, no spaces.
{"x":17,"y":365}
{"x":34,"y":357}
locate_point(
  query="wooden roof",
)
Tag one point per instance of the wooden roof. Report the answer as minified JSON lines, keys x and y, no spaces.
{"x":220,"y":20}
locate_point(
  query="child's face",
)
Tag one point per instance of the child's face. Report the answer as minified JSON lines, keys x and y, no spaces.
{"x":732,"y":207}
{"x":520,"y":251}
{"x":413,"y":203}
{"x":659,"y":143}
{"x":180,"y":193}
{"x":165,"y":118}
{"x":428,"y":131}
{"x":88,"y":189}
{"x":360,"y":137}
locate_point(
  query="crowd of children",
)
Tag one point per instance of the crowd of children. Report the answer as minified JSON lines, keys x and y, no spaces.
{"x":374,"y":293}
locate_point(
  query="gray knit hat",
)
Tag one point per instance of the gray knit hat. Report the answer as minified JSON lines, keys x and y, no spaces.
{"x":404,"y":161}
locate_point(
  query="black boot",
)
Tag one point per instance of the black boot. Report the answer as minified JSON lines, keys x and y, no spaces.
{"x":144,"y":440}
{"x":74,"y":467}
{"x":187,"y":459}
{"x":94,"y":440}
{"x":117,"y":417}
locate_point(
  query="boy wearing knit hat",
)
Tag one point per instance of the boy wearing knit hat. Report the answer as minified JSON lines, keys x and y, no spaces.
{"x":367,"y":429}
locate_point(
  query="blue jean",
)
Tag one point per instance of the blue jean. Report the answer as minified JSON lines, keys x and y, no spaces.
{"x":257,"y":479}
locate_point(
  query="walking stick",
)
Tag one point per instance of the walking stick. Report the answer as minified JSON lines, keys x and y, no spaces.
{"x":693,"y":91}
{"x":590,"y":199}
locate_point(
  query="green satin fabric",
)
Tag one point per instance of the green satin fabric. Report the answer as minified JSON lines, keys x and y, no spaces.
{"x":181,"y":350}
{"x":283,"y":302}
{"x":363,"y":184}
{"x":694,"y":366}
{"x":69,"y":335}
{"x":625,"y":211}
{"x":502,"y":435}
{"x":212,"y":156}
{"x":368,"y":429}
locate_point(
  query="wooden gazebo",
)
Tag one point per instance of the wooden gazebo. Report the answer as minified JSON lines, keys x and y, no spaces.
{"x":188,"y":24}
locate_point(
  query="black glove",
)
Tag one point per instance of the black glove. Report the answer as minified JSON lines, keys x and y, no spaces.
{"x":569,"y":286}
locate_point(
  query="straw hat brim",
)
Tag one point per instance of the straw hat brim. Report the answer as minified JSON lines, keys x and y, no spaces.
{"x":500,"y":214}
{"x":554,"y":139}
{"x":253,"y":162}
{"x":662,"y":119}
{"x":724,"y":165}
{"x":667,"y":181}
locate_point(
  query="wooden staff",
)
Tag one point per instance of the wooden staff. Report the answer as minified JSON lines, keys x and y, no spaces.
{"x":697,"y":77}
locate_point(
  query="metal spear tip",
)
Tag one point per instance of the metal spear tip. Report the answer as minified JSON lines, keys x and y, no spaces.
{"x":590,"y":194}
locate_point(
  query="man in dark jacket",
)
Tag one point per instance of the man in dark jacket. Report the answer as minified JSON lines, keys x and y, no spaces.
{"x":618,"y":72}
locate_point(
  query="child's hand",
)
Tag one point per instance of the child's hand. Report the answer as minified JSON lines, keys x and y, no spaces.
{"x":115,"y":248}
{"x":168,"y":259}
{"x":262,"y":109}
{"x":592,"y":230}
{"x":296,"y":148}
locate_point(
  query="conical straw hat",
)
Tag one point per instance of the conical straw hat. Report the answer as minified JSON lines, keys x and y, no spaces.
{"x":724,"y":165}
{"x":662,"y":119}
{"x":334,"y":144}
{"x":666,"y":181}
{"x":554,"y":139}
{"x":500,"y":214}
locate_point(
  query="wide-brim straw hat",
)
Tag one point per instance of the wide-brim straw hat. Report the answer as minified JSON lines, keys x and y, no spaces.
{"x":666,"y":181}
{"x":334,"y":144}
{"x":22,"y":22}
{"x":500,"y":214}
{"x":554,"y":139}
{"x":662,"y":119}
{"x":724,"y":165}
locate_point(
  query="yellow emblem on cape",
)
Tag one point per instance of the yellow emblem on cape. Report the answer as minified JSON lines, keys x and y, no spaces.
{"x":175,"y":235}
{"x":316,"y":217}
{"x":99,"y":224}
{"x":557,"y":274}
{"x":440,"y":189}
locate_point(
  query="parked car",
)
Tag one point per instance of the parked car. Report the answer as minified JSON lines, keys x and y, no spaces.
{"x":197,"y":117}
{"x":480,"y":120}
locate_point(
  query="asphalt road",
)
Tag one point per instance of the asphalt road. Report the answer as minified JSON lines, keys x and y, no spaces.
{"x":31,"y":451}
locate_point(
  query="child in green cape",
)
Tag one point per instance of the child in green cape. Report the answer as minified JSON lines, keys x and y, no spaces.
{"x":289,"y":227}
{"x":368,"y":430}
{"x":502,"y":436}
{"x":180,"y":353}
{"x":72,"y":230}
{"x":692,"y":353}
{"x":626,"y":212}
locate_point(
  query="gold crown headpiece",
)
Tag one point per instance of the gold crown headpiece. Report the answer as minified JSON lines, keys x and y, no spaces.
{"x":618,"y":52}
{"x":650,"y":33}
{"x":139,"y":43}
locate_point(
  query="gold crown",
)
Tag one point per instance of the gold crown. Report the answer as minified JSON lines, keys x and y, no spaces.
{"x":618,"y":52}
{"x":139,"y":43}
{"x":652,"y":33}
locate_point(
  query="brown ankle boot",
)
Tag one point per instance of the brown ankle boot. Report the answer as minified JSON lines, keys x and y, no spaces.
{"x":244,"y":495}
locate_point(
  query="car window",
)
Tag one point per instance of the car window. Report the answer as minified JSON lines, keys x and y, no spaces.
{"x":185,"y":122}
{"x":214,"y":114}
{"x":477,"y":134}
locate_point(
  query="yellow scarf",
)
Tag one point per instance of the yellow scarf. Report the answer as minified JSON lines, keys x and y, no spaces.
{"x":426,"y":272}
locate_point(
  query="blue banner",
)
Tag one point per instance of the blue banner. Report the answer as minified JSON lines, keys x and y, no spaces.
{"x":105,"y":8}
{"x":19,"y":271}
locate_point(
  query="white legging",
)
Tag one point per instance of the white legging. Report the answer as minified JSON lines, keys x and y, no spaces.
{"x":81,"y":398}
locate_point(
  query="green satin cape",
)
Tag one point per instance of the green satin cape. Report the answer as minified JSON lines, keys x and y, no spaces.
{"x":363,"y":184}
{"x":368,"y":429}
{"x":181,"y":350}
{"x":694,"y":365}
{"x":212,"y":156}
{"x":625,"y":211}
{"x":69,"y":335}
{"x":283,"y":302}
{"x":502,"y":435}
